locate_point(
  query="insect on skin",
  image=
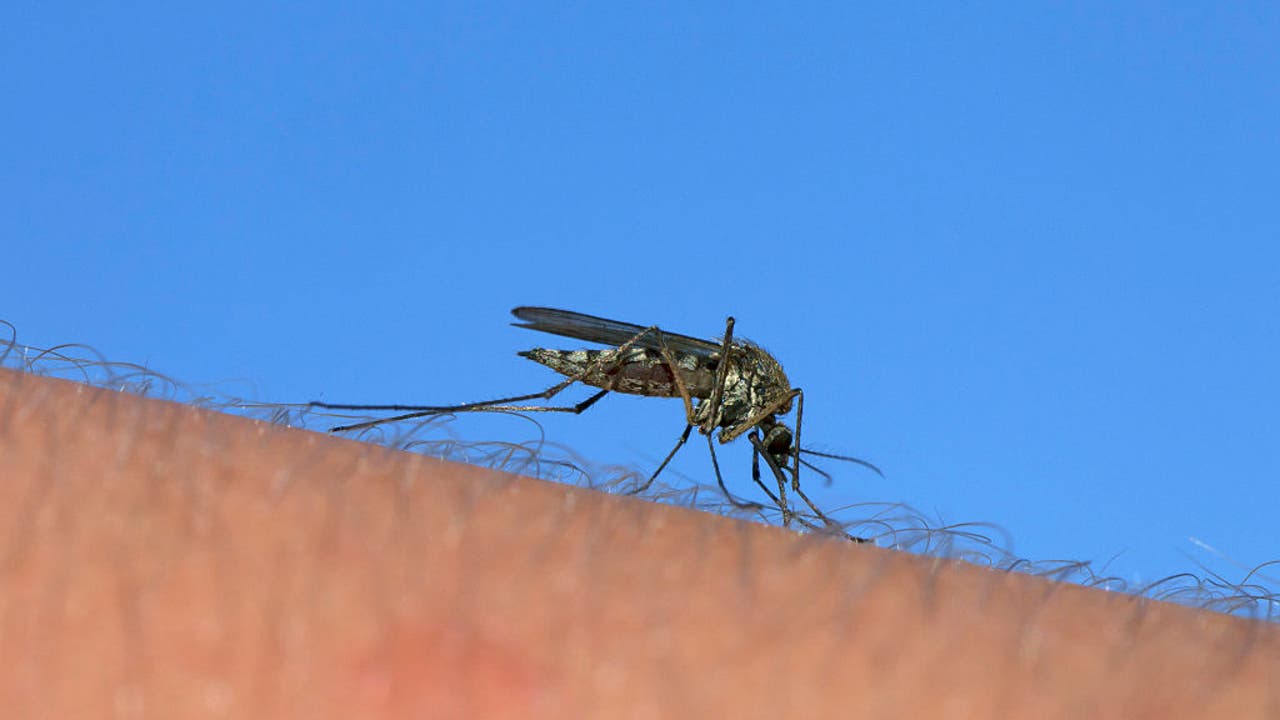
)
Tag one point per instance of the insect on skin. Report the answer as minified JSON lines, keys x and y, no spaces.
{"x":729,"y":388}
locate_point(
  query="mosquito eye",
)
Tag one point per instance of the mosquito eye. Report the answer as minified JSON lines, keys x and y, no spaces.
{"x":778,"y":440}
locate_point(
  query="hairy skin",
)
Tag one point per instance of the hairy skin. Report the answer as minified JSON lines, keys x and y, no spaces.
{"x":158,"y":560}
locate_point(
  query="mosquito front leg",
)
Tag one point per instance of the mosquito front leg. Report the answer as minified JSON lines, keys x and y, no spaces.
{"x":781,"y":499}
{"x":773,"y":408}
{"x":755,"y":475}
{"x":722,"y":376}
{"x":778,"y":472}
{"x":795,"y":444}
{"x":758,"y":450}
{"x":711,"y":418}
{"x":831,"y":524}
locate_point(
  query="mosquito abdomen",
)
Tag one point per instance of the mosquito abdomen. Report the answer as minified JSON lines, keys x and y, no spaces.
{"x":640,"y":372}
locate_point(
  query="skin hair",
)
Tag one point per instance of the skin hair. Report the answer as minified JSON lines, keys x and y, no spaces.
{"x":159,"y":560}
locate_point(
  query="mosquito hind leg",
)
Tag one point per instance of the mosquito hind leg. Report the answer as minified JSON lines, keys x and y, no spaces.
{"x":503,"y":404}
{"x":483,"y":406}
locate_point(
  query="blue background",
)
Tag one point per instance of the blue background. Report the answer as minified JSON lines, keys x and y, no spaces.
{"x":1022,"y":256}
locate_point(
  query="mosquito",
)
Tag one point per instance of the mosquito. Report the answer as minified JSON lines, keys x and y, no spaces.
{"x":732,"y":386}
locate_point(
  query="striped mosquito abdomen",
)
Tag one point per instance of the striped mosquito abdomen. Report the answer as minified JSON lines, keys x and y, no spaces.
{"x":640,"y":371}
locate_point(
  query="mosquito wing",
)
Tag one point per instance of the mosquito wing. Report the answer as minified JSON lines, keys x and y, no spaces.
{"x":607,"y":332}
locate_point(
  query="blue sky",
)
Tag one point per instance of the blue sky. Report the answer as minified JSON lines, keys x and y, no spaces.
{"x":1023,"y":256}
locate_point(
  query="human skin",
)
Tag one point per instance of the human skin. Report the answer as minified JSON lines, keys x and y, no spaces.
{"x":159,"y":560}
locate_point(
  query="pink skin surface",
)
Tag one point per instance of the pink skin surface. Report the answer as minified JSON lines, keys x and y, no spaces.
{"x":164,"y":561}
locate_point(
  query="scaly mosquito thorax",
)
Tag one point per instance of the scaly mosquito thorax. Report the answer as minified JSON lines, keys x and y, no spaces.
{"x":641,"y":371}
{"x":754,"y":380}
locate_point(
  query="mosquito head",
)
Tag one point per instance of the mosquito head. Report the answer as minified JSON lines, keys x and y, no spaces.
{"x":777,"y":440}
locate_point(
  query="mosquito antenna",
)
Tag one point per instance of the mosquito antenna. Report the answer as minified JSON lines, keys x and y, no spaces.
{"x":845,"y":458}
{"x":826,"y":476}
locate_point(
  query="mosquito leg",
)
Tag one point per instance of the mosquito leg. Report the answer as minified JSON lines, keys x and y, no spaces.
{"x":722,"y":375}
{"x":759,"y":450}
{"x":828,"y":522}
{"x":831,"y":524}
{"x":826,"y":529}
{"x":676,"y":378}
{"x":743,"y":504}
{"x":684,"y":436}
{"x":781,"y":498}
{"x":502,"y":404}
{"x":773,"y":408}
{"x":489,"y":406}
{"x":755,"y":475}
{"x":683,"y":389}
{"x":795,"y":445}
{"x":434,"y":409}
{"x":618,"y":356}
